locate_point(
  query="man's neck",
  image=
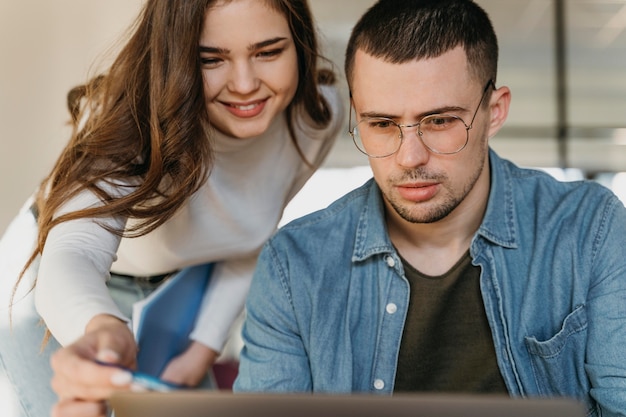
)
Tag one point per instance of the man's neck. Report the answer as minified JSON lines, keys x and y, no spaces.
{"x":433,"y":248}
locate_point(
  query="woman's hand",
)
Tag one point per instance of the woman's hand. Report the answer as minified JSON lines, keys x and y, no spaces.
{"x":82,"y":384}
{"x":190,"y":367}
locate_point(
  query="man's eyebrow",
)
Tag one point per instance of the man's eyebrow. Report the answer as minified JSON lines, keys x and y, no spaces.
{"x":253,"y":47}
{"x":439,"y":110}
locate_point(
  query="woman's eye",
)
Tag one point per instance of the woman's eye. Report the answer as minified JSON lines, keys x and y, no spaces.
{"x":269,"y":53}
{"x":209,"y":61}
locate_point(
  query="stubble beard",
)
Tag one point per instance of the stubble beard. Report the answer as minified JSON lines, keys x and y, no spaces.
{"x":426,"y":212}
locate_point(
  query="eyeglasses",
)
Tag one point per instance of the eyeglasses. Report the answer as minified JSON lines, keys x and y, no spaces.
{"x":445,"y":134}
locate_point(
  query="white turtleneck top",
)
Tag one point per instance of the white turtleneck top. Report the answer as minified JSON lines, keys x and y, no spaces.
{"x":226,"y":222}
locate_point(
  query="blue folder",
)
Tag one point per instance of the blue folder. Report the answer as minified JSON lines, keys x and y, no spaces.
{"x":169,"y":317}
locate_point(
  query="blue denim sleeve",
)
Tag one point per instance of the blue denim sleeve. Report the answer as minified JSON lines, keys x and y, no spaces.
{"x":273,"y":358}
{"x":606,"y":312}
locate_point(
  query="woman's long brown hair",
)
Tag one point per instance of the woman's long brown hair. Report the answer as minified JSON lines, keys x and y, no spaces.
{"x":144,"y":122}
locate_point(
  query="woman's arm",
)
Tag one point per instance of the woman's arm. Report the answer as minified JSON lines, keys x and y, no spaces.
{"x":75,"y":263}
{"x":223,"y":301}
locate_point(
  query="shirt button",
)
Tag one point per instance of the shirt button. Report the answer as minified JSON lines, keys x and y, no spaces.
{"x":379,"y":384}
{"x":390,"y":262}
{"x":391,"y":308}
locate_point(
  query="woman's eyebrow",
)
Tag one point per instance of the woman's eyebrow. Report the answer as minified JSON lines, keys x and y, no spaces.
{"x":213,"y":50}
{"x":263,"y":44}
{"x":253,"y":47}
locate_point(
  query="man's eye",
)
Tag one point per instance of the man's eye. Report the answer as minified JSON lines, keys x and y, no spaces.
{"x":439,"y":122}
{"x":380,"y":124}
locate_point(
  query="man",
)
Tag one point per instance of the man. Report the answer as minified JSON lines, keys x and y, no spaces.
{"x":453,"y":269}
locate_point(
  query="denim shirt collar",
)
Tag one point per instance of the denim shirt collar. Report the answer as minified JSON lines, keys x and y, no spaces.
{"x":371,"y":231}
{"x":498,"y":226}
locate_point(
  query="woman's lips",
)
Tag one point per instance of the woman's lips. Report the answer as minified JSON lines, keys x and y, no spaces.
{"x":245,"y":110}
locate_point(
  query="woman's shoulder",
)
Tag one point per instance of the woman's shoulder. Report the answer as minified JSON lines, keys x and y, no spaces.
{"x":312,"y":130}
{"x":331,"y":93}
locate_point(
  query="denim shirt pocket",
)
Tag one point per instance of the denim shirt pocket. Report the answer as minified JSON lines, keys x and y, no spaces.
{"x":558,"y":363}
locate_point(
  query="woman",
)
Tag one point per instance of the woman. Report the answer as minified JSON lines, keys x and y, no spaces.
{"x":185,"y":152}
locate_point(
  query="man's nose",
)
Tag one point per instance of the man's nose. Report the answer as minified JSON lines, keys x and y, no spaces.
{"x":412,"y":152}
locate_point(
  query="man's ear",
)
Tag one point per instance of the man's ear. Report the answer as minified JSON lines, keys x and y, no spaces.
{"x":499,"y":109}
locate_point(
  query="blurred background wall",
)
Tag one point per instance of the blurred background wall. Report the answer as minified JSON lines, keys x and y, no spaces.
{"x":46,"y":47}
{"x":561,"y":117}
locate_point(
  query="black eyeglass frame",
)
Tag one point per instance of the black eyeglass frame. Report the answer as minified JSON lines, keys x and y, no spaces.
{"x":400,"y":126}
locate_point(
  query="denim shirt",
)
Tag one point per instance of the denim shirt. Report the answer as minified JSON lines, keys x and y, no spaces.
{"x":328,"y":301}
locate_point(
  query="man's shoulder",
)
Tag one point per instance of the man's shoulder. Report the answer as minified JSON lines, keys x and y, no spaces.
{"x":342,"y":213}
{"x":529,"y":196}
{"x":544,"y":183}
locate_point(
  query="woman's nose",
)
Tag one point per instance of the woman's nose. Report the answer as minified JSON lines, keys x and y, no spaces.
{"x":243,"y":78}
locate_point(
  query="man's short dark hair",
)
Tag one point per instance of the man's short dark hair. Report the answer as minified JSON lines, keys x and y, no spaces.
{"x":400,"y":31}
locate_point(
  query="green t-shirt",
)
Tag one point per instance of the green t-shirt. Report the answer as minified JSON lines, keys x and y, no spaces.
{"x":446,"y":344}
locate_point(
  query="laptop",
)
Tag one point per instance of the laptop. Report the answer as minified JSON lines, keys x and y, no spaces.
{"x":200,"y":403}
